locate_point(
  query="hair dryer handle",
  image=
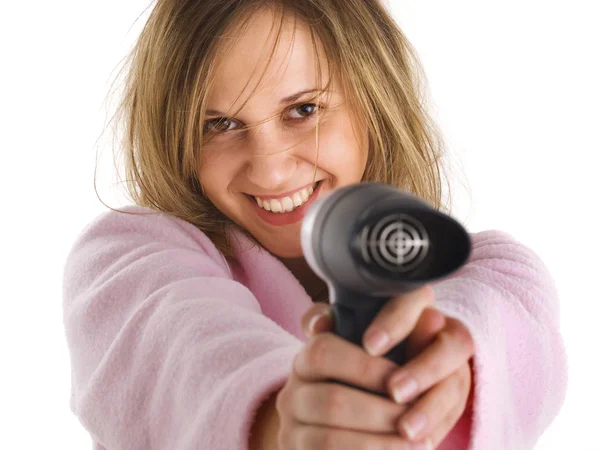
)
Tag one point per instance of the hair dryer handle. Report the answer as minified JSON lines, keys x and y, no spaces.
{"x":351,"y":322}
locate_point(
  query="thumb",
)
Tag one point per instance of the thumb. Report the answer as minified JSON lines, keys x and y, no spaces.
{"x":318,"y":319}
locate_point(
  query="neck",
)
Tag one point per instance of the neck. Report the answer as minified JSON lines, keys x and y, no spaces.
{"x":314,"y":286}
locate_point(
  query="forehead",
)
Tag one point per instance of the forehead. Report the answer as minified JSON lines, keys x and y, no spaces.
{"x":243,"y":67}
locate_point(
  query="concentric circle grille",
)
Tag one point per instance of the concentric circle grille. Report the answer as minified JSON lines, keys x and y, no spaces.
{"x":396,"y":243}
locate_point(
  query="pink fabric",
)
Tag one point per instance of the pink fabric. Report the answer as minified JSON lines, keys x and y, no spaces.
{"x":173,"y":347}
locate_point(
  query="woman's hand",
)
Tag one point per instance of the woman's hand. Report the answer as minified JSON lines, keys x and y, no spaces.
{"x":317,"y":413}
{"x":436,"y":381}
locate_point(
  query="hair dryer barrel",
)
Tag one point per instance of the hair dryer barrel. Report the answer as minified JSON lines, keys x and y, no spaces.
{"x":378,"y":240}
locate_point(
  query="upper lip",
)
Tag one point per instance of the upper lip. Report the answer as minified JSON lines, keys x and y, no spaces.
{"x":285,"y":194}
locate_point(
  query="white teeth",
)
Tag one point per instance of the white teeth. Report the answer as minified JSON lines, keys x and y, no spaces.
{"x":286,"y":204}
{"x":275,"y":205}
{"x":297,"y":199}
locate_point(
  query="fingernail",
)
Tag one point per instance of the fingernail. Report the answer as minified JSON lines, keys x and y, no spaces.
{"x":404,"y":389}
{"x":376,"y":341}
{"x":414,"y":425}
{"x":425,"y":445}
{"x":314,"y":320}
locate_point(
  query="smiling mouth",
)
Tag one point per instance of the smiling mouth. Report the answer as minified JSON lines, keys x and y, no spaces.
{"x":289,"y":203}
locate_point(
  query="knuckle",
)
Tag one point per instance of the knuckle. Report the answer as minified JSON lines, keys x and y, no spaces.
{"x":318,"y":350}
{"x":446,"y":340}
{"x":444,"y":344}
{"x":461,"y":331}
{"x":364,"y":368}
{"x":466,"y":340}
{"x":334,"y":401}
{"x":300,"y":401}
{"x":461,"y":337}
{"x":299,"y":437}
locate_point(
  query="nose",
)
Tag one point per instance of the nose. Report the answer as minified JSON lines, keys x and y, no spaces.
{"x":271,"y":163}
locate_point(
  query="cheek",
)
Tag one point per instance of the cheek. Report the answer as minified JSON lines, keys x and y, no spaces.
{"x":340,"y":147}
{"x":215,"y":174}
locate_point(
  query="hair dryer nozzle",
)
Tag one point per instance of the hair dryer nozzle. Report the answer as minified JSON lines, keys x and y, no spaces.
{"x":377,"y":239}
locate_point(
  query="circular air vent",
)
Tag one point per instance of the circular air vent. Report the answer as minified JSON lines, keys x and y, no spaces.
{"x":396,"y":243}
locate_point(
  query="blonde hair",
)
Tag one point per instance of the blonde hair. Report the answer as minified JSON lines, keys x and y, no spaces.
{"x":168,"y":76}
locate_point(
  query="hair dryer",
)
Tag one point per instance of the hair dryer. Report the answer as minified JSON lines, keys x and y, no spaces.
{"x":370,"y":242}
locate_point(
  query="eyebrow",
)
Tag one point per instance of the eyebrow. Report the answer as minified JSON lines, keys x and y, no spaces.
{"x":291,"y":98}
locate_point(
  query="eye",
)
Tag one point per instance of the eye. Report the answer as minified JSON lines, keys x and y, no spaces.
{"x":305,"y":110}
{"x":218,"y":125}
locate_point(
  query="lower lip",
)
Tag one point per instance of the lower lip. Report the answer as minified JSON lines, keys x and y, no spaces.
{"x":286,"y":218}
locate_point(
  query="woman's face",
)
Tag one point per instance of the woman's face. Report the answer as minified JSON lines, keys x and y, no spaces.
{"x":262,"y":177}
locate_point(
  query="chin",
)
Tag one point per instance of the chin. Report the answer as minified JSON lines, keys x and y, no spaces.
{"x":293,"y":250}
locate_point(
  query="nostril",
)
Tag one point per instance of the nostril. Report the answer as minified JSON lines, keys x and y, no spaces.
{"x":270,"y":172}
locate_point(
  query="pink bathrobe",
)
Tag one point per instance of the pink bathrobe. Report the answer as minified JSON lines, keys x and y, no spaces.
{"x":174,"y":347}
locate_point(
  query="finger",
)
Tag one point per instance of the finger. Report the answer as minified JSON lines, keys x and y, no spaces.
{"x":320,"y":323}
{"x":450,"y":422}
{"x":317,"y":319}
{"x":431,"y":410}
{"x":310,"y":437}
{"x":327,"y":356}
{"x":429,"y":325}
{"x":396,"y":320}
{"x":331,"y":404}
{"x":452,"y":419}
{"x":451,"y":348}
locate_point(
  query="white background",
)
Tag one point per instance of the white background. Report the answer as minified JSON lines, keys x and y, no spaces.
{"x":514,"y":87}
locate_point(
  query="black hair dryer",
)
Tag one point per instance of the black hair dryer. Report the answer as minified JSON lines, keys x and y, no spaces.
{"x":370,"y":242}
